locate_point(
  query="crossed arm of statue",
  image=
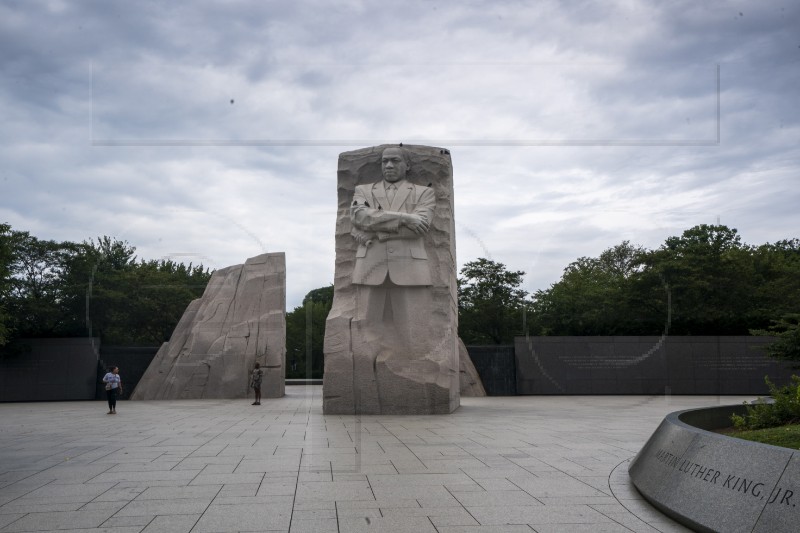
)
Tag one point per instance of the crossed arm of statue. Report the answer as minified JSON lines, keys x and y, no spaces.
{"x":370,"y":223}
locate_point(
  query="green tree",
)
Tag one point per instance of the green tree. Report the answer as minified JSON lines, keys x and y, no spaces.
{"x":142,"y":304}
{"x":6,"y":259}
{"x":108,"y":293}
{"x":778,"y":294}
{"x":35,"y":296}
{"x":323,"y":295}
{"x":305,"y":334}
{"x":704,"y":282}
{"x":95,"y":293}
{"x":786,"y":331}
{"x":598,"y":296}
{"x":491,"y":306}
{"x":711,"y":280}
{"x":93,"y":288}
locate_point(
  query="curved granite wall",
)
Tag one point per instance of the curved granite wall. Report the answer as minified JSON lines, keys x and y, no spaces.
{"x":711,"y":482}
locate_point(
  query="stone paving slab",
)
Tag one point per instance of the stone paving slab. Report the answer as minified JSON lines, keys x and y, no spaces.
{"x":496,"y":465}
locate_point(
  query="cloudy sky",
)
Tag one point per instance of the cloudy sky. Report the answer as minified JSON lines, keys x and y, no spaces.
{"x":209,"y":131}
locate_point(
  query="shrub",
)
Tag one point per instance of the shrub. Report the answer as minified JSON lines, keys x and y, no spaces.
{"x":786,"y":346}
{"x":784,"y":409}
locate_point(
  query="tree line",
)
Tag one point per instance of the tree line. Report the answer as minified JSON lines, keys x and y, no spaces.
{"x":93,"y":288}
{"x":704,"y":282}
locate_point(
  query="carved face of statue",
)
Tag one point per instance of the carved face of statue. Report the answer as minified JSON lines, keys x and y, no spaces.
{"x":393,"y":165}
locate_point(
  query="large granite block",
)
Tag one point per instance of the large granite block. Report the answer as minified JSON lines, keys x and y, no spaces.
{"x":240,"y":320}
{"x":391,"y":341}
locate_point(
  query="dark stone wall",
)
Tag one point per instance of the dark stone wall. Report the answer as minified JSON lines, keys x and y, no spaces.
{"x":49,"y":370}
{"x":71,"y":369}
{"x":66,"y":369}
{"x":132,"y":362}
{"x":496,"y":367}
{"x":645,"y":365}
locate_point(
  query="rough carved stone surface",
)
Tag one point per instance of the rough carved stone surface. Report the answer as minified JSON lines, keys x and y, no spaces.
{"x":239,"y":320}
{"x":471,"y":384}
{"x":402,"y":358}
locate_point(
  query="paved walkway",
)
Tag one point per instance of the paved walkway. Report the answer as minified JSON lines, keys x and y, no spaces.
{"x":501,"y":464}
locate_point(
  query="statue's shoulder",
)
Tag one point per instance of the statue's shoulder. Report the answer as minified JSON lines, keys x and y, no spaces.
{"x":367,"y":186}
{"x":364,"y":188}
{"x":423,"y":189}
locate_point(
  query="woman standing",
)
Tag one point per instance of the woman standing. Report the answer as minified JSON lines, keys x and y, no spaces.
{"x":255,"y":382}
{"x":113,"y":387}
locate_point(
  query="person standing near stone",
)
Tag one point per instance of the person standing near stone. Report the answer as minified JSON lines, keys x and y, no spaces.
{"x":255,"y":382}
{"x":113,"y":383}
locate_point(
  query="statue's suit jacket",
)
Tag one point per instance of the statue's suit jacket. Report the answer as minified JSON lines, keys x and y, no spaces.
{"x":392,"y":250}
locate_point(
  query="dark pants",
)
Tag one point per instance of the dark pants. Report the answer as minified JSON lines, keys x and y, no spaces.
{"x":111,"y":394}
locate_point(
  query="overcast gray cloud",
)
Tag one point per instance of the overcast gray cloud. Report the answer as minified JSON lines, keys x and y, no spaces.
{"x":209,"y":131}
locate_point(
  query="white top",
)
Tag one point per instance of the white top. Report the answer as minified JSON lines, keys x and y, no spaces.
{"x":112,"y":378}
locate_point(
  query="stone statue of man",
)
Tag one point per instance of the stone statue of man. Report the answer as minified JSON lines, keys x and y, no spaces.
{"x":390,"y":219}
{"x":391,"y":341}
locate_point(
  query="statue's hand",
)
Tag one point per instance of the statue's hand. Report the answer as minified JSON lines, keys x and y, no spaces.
{"x":361,"y":237}
{"x":415,"y":223}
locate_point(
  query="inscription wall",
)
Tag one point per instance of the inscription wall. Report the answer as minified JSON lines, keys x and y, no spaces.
{"x":645,"y":365}
{"x":49,"y":370}
{"x":132,"y":362}
{"x":496,"y":367}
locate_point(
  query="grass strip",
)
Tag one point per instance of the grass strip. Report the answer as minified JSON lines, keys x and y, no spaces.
{"x":787,"y":436}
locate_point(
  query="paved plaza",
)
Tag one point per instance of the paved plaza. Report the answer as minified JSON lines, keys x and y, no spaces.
{"x":497,"y":465}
